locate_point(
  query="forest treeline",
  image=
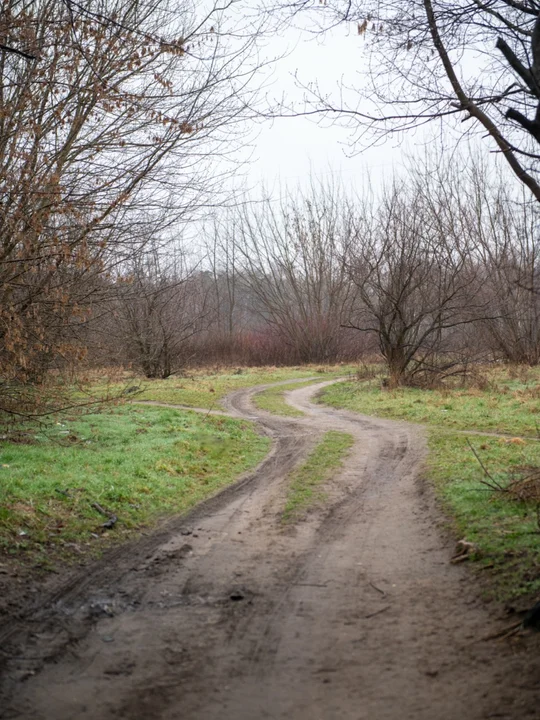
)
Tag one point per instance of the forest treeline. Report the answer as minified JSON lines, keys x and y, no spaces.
{"x":436,"y":271}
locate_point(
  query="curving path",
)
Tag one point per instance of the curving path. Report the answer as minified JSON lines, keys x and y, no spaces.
{"x":354,"y":613}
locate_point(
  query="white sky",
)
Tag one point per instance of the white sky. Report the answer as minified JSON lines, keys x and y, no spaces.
{"x":287,"y":150}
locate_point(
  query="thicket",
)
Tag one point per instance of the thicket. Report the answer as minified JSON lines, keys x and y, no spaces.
{"x":112,"y":115}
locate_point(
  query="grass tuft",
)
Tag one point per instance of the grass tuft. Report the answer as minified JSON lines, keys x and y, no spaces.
{"x":305,"y":488}
{"x":273,"y":399}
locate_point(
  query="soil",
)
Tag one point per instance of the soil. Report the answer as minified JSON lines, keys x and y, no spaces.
{"x":354,"y":612}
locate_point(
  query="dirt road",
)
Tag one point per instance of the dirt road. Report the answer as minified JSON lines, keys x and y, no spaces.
{"x":354,"y":613}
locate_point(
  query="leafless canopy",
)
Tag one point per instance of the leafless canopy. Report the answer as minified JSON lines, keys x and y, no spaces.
{"x":476,"y":60}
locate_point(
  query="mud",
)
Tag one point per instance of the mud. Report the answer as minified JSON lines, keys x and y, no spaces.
{"x":355,"y":612}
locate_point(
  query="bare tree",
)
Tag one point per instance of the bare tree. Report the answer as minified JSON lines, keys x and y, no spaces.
{"x":292,"y":259}
{"x":417,"y":282}
{"x":504,"y":228}
{"x":223,"y":255}
{"x":476,"y":60}
{"x":112,"y":127}
{"x":160,"y":307}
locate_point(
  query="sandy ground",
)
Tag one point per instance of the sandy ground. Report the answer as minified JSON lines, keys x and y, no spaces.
{"x":354,"y":612}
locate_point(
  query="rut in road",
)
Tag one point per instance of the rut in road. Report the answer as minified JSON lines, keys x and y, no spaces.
{"x":353,"y":612}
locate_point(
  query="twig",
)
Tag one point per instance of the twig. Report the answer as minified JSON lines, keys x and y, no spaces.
{"x":378,"y":589}
{"x":16,"y":51}
{"x":494,"y":485}
{"x":100,"y":509}
{"x":377,"y":612}
{"x":111,"y":522}
{"x":210,"y":409}
{"x":501,"y":634}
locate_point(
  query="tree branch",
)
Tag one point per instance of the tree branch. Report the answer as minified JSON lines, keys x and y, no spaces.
{"x":515,"y":63}
{"x":473,"y":109}
{"x":16,"y":51}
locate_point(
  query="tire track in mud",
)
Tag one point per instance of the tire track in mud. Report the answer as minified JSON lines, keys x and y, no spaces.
{"x":353,"y":612}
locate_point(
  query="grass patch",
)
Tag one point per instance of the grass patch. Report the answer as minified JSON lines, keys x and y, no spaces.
{"x":273,"y":400}
{"x":304,"y":490}
{"x":504,"y":529}
{"x":139,"y":463}
{"x":509,"y":407}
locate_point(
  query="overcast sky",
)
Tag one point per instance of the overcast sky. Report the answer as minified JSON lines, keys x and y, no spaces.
{"x":287,"y":150}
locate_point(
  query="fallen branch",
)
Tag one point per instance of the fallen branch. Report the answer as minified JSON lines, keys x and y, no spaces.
{"x":378,"y":589}
{"x":502,"y":634}
{"x":463,"y":551}
{"x":111,"y":522}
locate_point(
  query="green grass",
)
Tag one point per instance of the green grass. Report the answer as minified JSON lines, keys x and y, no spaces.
{"x":507,"y":409}
{"x":306,"y":481}
{"x":273,"y":399}
{"x":139,"y":463}
{"x":206,"y":390}
{"x":504,"y":529}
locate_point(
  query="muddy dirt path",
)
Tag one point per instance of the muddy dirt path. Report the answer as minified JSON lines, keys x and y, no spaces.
{"x":353,"y":613}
